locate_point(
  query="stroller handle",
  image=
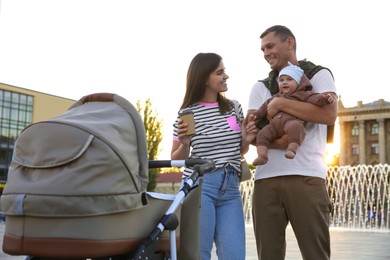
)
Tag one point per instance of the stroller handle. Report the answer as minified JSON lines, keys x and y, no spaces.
{"x":96,"y":97}
{"x":208,"y":165}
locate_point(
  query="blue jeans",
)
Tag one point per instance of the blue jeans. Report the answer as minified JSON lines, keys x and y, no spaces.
{"x":222,"y":216}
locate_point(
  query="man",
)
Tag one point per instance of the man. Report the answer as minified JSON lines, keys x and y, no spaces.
{"x":292,"y":190}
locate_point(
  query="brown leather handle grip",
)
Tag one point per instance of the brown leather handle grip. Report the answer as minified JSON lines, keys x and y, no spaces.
{"x":98,"y":97}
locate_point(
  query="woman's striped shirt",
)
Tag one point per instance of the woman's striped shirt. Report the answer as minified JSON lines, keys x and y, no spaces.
{"x":217,"y":137}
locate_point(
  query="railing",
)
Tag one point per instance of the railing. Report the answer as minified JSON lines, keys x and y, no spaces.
{"x":360,"y":196}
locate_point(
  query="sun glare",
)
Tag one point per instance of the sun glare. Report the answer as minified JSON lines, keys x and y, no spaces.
{"x":332,"y":153}
{"x":333,"y":149}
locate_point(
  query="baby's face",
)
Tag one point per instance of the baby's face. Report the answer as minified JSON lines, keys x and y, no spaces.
{"x":287,"y":84}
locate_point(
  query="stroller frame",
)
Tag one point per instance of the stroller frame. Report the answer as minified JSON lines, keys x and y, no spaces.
{"x":169,"y":221}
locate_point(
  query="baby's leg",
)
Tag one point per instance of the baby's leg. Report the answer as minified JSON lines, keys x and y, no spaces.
{"x":263,"y":139}
{"x":291,"y":150}
{"x":262,"y":157}
{"x":296,"y":132}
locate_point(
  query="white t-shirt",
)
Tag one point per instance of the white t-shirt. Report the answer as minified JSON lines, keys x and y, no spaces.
{"x":310,"y":157}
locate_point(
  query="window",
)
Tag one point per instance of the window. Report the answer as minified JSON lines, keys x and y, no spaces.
{"x":15,"y":114}
{"x":375,"y":148}
{"x":374,"y":129}
{"x":355,"y":130}
{"x":355,"y":149}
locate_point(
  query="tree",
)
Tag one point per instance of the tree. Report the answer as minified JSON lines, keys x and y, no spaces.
{"x":153,"y":130}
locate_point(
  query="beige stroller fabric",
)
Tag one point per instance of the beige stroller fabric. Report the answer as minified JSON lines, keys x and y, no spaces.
{"x":189,"y":226}
{"x":88,"y":161}
{"x":77,"y":183}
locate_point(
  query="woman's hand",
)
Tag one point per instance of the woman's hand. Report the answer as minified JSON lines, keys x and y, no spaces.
{"x":181,"y":148}
{"x":249,"y":132}
{"x":182,"y":132}
{"x":249,"y":124}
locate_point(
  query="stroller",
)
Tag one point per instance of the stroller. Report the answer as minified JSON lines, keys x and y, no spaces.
{"x":76,"y":189}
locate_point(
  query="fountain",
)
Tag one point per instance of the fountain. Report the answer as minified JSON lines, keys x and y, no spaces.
{"x":360,"y":196}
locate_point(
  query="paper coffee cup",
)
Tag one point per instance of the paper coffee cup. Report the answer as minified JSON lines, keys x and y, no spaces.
{"x":188,"y":117}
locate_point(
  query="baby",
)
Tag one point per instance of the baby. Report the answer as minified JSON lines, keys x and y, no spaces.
{"x":293,"y":84}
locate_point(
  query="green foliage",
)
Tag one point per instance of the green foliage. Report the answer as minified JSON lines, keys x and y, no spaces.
{"x":251,"y":167}
{"x":153,"y":130}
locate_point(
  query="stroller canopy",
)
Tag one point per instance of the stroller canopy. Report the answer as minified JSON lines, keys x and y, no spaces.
{"x":91,"y":160}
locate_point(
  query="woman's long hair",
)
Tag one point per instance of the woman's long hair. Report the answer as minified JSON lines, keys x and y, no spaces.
{"x":201,"y":66}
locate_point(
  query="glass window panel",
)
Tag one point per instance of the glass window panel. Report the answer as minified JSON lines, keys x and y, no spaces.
{"x":375,"y":148}
{"x":14,"y":114}
{"x":22,"y":115}
{"x":7,"y":96}
{"x":23,"y":99}
{"x":15,"y":97}
{"x":6,"y":113}
{"x":14,"y":105}
{"x":22,"y":107}
{"x":5,"y":131}
{"x":29,"y":117}
{"x":355,"y":149}
{"x":374,"y":129}
{"x":13,"y":133}
{"x":30,"y":101}
{"x":355,"y":130}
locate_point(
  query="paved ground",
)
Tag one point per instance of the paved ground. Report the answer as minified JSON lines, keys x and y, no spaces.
{"x":346,"y":244}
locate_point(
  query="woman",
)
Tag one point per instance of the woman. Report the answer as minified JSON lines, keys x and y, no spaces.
{"x":217,"y":137}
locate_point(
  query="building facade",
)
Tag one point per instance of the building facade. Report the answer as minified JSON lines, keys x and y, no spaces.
{"x":20,"y":107}
{"x":364,"y":133}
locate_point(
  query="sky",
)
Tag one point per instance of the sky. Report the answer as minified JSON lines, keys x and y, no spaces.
{"x":142,"y":49}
